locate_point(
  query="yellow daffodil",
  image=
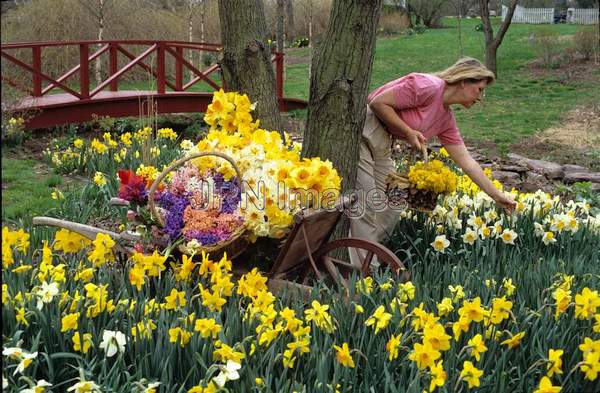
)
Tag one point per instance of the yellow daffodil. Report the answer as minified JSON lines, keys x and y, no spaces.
{"x":586,"y":303}
{"x":470,"y":374}
{"x":554,"y":362}
{"x":78,"y":346}
{"x":477,"y":346}
{"x":392,"y":347}
{"x":379,"y":319}
{"x":514,"y":341}
{"x":546,"y":386}
{"x":438,"y":376}
{"x":343,"y":355}
{"x":424,"y":355}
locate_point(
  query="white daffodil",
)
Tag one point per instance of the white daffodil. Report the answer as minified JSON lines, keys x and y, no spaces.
{"x":440,"y":243}
{"x":470,"y":236}
{"x":112,"y":342}
{"x":538,"y":229}
{"x":46,"y":293}
{"x":490,"y":215}
{"x":229,"y":372}
{"x":151,"y":388}
{"x":548,"y":238}
{"x":508,"y":236}
{"x":14,"y":353}
{"x":4,"y":382}
{"x":475,"y":221}
{"x":40,"y":387}
{"x":85,"y":387}
{"x":25,"y":362}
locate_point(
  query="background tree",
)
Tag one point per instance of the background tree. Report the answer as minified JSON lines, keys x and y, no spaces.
{"x":492,"y":43}
{"x":280,"y":23}
{"x":427,"y":12}
{"x":98,"y":9}
{"x":290,"y":26}
{"x":246,"y":59}
{"x":338,"y":88}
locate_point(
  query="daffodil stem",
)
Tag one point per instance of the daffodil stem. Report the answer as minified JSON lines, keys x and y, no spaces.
{"x":572,"y":370}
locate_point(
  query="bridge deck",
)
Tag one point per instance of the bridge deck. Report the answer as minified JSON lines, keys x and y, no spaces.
{"x":57,"y":109}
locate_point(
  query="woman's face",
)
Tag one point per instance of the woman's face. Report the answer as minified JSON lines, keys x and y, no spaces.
{"x":472,"y":92}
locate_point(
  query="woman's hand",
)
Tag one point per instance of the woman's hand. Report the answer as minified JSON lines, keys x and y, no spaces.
{"x":415,"y":139}
{"x":505,"y":202}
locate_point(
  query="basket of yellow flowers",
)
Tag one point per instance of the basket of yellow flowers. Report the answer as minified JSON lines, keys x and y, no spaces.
{"x":421,"y":184}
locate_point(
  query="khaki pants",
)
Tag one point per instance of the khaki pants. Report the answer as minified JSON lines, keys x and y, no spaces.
{"x":375,"y":163}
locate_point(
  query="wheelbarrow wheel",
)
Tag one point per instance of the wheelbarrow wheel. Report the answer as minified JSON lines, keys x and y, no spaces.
{"x":339,"y":270}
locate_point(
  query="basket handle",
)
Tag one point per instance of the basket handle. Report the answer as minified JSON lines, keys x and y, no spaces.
{"x":424,"y":152}
{"x":177,"y":164}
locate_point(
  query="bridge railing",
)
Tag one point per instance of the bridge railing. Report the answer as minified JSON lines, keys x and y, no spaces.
{"x":41,"y":83}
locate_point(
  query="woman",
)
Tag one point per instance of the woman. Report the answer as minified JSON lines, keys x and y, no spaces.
{"x":416,"y":108}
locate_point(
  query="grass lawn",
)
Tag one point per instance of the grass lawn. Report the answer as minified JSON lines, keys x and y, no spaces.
{"x":26,"y":188}
{"x":516,"y":106}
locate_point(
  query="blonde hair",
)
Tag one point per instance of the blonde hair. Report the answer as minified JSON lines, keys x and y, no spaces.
{"x":466,"y":68}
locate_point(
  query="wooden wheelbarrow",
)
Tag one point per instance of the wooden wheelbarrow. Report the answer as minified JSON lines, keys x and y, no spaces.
{"x":306,"y":254}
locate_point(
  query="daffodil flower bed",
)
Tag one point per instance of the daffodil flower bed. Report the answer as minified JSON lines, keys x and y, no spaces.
{"x":497,"y":303}
{"x":493,"y":305}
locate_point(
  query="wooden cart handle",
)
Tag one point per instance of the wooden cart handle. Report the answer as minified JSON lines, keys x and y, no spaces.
{"x":178,"y":163}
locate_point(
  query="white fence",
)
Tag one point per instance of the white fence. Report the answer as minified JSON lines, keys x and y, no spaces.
{"x":582,"y":16}
{"x":530,"y":15}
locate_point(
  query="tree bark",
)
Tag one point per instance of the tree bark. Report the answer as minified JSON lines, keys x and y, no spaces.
{"x":190,"y":29}
{"x":246,"y":58}
{"x":280,"y":23}
{"x":98,"y":65}
{"x":290,"y":27}
{"x":491,"y":43}
{"x":338,"y":89}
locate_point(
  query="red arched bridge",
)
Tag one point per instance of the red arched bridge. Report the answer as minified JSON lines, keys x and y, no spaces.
{"x":71,"y":98}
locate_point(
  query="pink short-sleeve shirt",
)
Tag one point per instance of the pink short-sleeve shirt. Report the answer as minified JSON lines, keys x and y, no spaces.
{"x":419,"y":103}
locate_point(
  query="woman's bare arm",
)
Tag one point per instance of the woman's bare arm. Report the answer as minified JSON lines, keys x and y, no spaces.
{"x":463,"y":159}
{"x":383,"y":107}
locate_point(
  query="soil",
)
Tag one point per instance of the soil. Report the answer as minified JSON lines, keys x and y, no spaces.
{"x":567,"y":68}
{"x":575,"y":141}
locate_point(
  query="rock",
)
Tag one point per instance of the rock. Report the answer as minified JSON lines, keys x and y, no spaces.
{"x":573,"y":177}
{"x":533,"y":182}
{"x":596,"y":187}
{"x":574,"y":168}
{"x":508,"y":179}
{"x":551,"y":170}
{"x":513,"y":168}
{"x":515,"y":157}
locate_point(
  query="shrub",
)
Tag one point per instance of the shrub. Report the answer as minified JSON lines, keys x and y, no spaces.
{"x":393,"y":23}
{"x":547,"y":46}
{"x":586,"y":43}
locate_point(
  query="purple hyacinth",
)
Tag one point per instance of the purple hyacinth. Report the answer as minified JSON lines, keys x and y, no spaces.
{"x":205,"y":238}
{"x":175,"y":206}
{"x":231,"y":194}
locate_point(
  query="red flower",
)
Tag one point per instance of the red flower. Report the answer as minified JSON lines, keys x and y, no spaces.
{"x":132,"y":187}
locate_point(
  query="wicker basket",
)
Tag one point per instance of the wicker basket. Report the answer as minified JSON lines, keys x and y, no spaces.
{"x":236,"y":243}
{"x":399,"y":189}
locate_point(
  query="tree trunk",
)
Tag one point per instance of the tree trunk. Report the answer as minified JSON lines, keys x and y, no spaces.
{"x":246,"y":59}
{"x":491,"y":43}
{"x":98,"y":65}
{"x":280,"y":22}
{"x":339,"y":85}
{"x":190,"y":29}
{"x":310,"y":38}
{"x":202,"y":34}
{"x":290,"y":27}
